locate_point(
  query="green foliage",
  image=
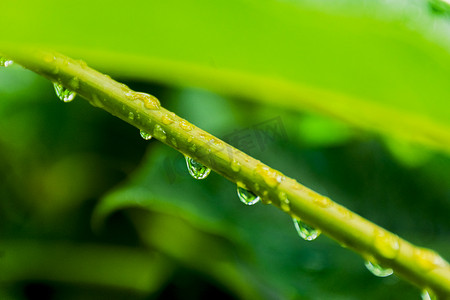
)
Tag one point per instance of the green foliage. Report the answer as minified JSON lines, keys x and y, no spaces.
{"x":382,"y":66}
{"x":331,"y":72}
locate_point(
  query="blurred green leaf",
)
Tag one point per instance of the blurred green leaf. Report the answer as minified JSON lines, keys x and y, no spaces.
{"x":320,"y":132}
{"x":77,"y":263}
{"x":380,"y":65}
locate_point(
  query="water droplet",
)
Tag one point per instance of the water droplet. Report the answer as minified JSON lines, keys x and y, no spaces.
{"x":173,"y":141}
{"x":285,"y":204}
{"x":150,"y":102}
{"x":159,"y":133}
{"x":428,"y":295}
{"x":48,"y":58}
{"x":320,"y":200}
{"x":4,"y":62}
{"x":271,"y":177}
{"x":235,"y":166}
{"x":204,"y":136}
{"x":197,"y":170}
{"x":247,"y":197}
{"x":166,"y":119}
{"x":217,"y":144}
{"x":344,"y":212}
{"x":82,"y":63}
{"x":264,"y":199}
{"x":428,"y":259}
{"x":63,"y":93}
{"x":193,"y":147}
{"x":146,"y":136}
{"x":95,"y":101}
{"x":130,"y":116}
{"x":185,"y":125}
{"x":305,"y":231}
{"x":378,"y":270}
{"x":124,"y":87}
{"x":386,"y":243}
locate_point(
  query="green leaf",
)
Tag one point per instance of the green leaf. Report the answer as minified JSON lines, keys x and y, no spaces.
{"x":383,"y":66}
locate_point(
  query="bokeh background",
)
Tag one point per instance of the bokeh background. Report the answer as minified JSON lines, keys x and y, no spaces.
{"x":90,"y":210}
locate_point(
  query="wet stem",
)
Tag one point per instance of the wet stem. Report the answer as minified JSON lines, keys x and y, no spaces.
{"x":422,"y":267}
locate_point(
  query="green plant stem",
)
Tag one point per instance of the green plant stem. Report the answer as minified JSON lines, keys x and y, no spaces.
{"x":421,"y":266}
